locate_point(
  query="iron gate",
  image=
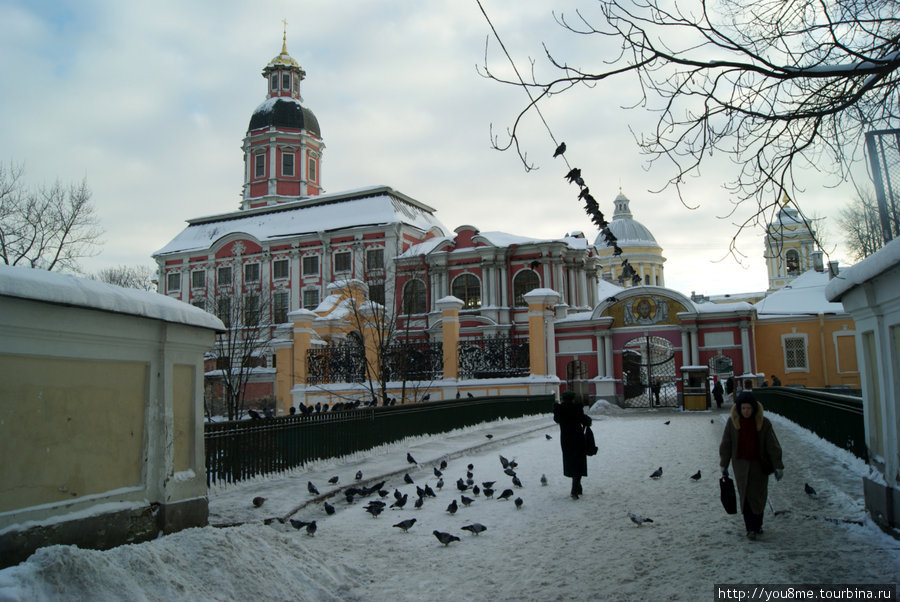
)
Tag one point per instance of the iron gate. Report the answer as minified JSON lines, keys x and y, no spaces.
{"x":648,"y":373}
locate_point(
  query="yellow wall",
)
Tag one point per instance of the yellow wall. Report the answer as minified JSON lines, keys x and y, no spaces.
{"x":69,"y":428}
{"x":183,"y":415}
{"x":821,"y":344}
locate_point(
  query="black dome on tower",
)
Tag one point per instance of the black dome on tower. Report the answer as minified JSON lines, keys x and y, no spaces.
{"x":284,"y":112}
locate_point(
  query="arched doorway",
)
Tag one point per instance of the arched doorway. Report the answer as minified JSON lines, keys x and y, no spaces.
{"x":648,"y":373}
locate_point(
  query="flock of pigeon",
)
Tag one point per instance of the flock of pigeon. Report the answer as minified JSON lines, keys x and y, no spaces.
{"x":379,"y":497}
{"x":467,"y":489}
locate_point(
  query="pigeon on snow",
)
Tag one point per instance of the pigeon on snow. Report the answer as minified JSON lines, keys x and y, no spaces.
{"x":638,"y":519}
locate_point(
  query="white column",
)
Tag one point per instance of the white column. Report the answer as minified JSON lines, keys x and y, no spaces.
{"x":695,"y":350}
{"x":745,"y":350}
{"x":504,"y":287}
{"x":685,"y":347}
{"x":608,"y":352}
{"x":601,"y":360}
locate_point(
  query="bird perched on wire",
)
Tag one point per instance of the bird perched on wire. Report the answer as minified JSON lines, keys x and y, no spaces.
{"x":453,"y":507}
{"x":312,"y":488}
{"x":445,"y":538}
{"x":696,"y":476}
{"x":474,"y":528}
{"x":809,"y":490}
{"x":559,"y":150}
{"x":638,"y":519}
{"x":258,"y":501}
{"x":573,"y":175}
{"x":406,"y":524}
{"x":656,"y":473}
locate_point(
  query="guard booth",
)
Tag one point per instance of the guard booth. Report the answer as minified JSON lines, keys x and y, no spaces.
{"x":695,"y":387}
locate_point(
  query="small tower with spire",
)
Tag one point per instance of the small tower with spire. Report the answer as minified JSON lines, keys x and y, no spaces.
{"x":283,"y":146}
{"x":790,"y":243}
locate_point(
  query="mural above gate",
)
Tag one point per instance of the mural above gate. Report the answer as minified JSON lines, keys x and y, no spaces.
{"x":645,"y":310}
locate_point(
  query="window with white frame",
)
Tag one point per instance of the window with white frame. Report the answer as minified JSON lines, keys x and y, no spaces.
{"x":524,"y":281}
{"x":285,"y":81}
{"x":311,"y":265}
{"x":198,"y":279}
{"x":251,"y":272}
{"x":467,"y":288}
{"x":414,"y":297}
{"x":280,"y":269}
{"x":223,"y":276}
{"x":310,"y":298}
{"x":251,"y":310}
{"x":376,"y":293}
{"x":274,"y":82}
{"x":794,"y":352}
{"x":287,"y":164}
{"x":259,"y":165}
{"x":375,"y":259}
{"x":342,"y":261}
{"x":280,"y":301}
{"x":173,"y":282}
{"x":223,"y":310}
{"x":311,"y":170}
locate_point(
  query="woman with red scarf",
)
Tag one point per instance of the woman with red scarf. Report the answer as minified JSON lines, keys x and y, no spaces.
{"x":750,"y":445}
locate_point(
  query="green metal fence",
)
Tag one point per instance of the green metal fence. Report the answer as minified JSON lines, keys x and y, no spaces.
{"x":835,"y":417}
{"x":243,"y":449}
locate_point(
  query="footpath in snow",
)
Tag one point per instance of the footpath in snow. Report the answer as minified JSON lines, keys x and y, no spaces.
{"x":552,"y":548}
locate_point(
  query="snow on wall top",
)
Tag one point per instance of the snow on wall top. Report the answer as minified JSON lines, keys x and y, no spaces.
{"x":369,"y":206}
{"x":65,"y":289}
{"x":804,"y":295}
{"x":870,"y":267}
{"x":497,"y":239}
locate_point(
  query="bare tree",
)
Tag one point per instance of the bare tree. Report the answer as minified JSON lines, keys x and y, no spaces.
{"x":50,"y":227}
{"x":861,"y":224}
{"x":775,"y":85}
{"x":140,"y":277}
{"x":239,"y":350}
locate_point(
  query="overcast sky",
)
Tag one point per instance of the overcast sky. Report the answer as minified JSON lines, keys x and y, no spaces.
{"x":150,"y":101}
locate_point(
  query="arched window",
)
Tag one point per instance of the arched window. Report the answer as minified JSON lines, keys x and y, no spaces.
{"x":525,"y":281}
{"x":792,"y":262}
{"x":467,"y":288}
{"x":414,"y":297}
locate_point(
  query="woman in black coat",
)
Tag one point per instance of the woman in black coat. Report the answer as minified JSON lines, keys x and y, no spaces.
{"x":571,"y":419}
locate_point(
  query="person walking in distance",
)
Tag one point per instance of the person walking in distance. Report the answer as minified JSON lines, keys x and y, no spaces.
{"x":572,"y":420}
{"x":749,"y":444}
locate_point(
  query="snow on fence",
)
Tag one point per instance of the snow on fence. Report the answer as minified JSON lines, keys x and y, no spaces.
{"x":244,"y":449}
{"x":835,"y":417}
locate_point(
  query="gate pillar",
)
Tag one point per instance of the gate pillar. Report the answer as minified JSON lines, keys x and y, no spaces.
{"x":449,"y":307}
{"x":541,"y":341}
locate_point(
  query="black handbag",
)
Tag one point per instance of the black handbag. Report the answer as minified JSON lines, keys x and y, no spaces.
{"x":590,"y":446}
{"x":727,"y":495}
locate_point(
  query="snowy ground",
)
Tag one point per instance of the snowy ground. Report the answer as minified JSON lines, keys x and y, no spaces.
{"x":553,"y":548}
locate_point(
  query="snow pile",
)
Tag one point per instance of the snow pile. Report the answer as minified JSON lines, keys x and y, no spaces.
{"x":552,"y":548}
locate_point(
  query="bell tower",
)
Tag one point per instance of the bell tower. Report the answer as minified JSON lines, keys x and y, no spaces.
{"x":790,"y":243}
{"x":283,"y":146}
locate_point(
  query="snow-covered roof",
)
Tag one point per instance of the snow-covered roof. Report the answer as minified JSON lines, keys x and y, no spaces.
{"x":65,"y":289}
{"x":870,"y":267}
{"x":496,"y":239}
{"x":376,"y":205}
{"x":716,"y":308}
{"x":805,"y":295}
